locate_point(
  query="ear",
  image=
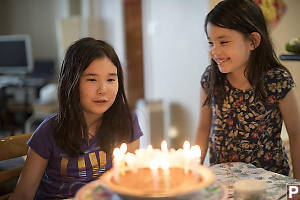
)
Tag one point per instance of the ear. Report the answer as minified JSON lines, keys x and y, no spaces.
{"x":255,"y":39}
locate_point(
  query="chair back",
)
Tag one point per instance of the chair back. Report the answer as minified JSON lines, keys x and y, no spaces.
{"x":12,"y":147}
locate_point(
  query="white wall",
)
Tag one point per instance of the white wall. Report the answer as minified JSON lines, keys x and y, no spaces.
{"x":287,"y":29}
{"x":175,"y":55}
{"x":36,"y":18}
{"x":110,"y":15}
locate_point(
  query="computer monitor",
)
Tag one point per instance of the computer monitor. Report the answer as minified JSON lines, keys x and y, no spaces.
{"x":15,"y":54}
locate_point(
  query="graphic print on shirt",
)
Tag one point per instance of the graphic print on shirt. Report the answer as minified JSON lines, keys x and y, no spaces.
{"x":90,"y":166}
{"x":97,"y":161}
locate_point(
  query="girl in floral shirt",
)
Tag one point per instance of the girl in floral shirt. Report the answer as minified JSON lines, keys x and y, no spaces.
{"x":246,"y":93}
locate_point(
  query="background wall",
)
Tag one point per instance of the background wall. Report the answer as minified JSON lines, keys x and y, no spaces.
{"x":42,"y":20}
{"x":287,"y":29}
{"x":36,"y":18}
{"x":175,"y":55}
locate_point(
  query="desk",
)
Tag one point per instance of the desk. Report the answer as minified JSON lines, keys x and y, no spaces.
{"x":14,"y":112}
{"x":222,"y":188}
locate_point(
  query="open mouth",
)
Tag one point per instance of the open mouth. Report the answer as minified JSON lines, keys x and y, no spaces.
{"x":221,"y":61}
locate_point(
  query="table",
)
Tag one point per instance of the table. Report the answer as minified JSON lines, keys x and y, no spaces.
{"x":226,"y":175}
{"x":16,"y":105}
{"x":229,"y":173}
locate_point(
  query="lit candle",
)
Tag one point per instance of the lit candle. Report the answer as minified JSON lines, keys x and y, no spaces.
{"x":117,"y":159}
{"x":123,"y":150}
{"x":186,"y":150}
{"x":149,"y":148}
{"x":154,"y":166}
{"x":165,"y":166}
{"x":164,"y":146}
{"x":129,"y":158}
{"x":196,"y":155}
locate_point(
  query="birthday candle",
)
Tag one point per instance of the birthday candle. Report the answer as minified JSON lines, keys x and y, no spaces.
{"x":186,"y":150}
{"x":196,"y":155}
{"x":164,"y":146}
{"x":165,"y":166}
{"x":123,"y":150}
{"x":130,"y":158}
{"x":117,"y":159}
{"x":154,"y":166}
{"x":149,"y":148}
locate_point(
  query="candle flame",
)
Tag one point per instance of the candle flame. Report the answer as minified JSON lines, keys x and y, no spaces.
{"x":123,"y":148}
{"x":164,"y":146}
{"x":149,"y":147}
{"x":186,"y":146}
{"x":116,"y":152}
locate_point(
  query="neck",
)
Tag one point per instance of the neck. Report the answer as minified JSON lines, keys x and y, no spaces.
{"x":93,"y":126}
{"x":239,"y":80}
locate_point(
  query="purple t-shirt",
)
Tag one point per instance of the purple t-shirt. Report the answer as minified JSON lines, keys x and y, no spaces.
{"x":64,"y":175}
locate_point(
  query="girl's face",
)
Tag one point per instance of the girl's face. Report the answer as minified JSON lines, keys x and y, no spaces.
{"x":228,"y":48}
{"x":98,"y":88}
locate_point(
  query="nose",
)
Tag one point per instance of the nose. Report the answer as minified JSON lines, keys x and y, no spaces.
{"x":215,"y":51}
{"x":101,"y":87}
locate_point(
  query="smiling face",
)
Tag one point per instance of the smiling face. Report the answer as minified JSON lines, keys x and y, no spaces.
{"x":228,"y":48}
{"x":98,"y":87}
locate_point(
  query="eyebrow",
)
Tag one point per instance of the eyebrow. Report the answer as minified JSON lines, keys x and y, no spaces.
{"x":92,"y":74}
{"x":220,"y":37}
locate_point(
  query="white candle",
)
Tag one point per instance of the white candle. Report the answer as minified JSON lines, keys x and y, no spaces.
{"x":154,"y":166}
{"x":123,"y":150}
{"x":117,"y":159}
{"x":149,"y":148}
{"x":129,"y":158}
{"x":186,"y":150}
{"x":164,"y":146}
{"x":165,"y":166}
{"x":196,"y":155}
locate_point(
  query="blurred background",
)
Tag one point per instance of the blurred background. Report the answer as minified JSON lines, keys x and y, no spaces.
{"x":161,"y":44}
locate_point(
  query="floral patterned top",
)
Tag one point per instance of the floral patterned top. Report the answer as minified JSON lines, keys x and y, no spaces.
{"x":247,"y":129}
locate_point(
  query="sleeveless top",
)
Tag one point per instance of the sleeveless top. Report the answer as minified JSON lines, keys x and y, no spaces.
{"x":247,"y":129}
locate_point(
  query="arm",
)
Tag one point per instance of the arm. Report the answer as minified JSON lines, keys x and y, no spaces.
{"x":204,"y":125}
{"x":30,"y":176}
{"x":131,"y":147}
{"x":290,"y":111}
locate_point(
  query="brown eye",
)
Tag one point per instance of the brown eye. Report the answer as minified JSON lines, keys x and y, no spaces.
{"x":111,"y":80}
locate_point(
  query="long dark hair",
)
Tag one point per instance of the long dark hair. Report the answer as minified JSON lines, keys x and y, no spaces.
{"x":72,"y":130}
{"x":245,"y":17}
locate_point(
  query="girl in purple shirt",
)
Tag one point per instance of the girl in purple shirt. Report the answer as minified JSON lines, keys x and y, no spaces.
{"x":75,"y":145}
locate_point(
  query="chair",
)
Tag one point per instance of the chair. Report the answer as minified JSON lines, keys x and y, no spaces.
{"x":12,"y":147}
